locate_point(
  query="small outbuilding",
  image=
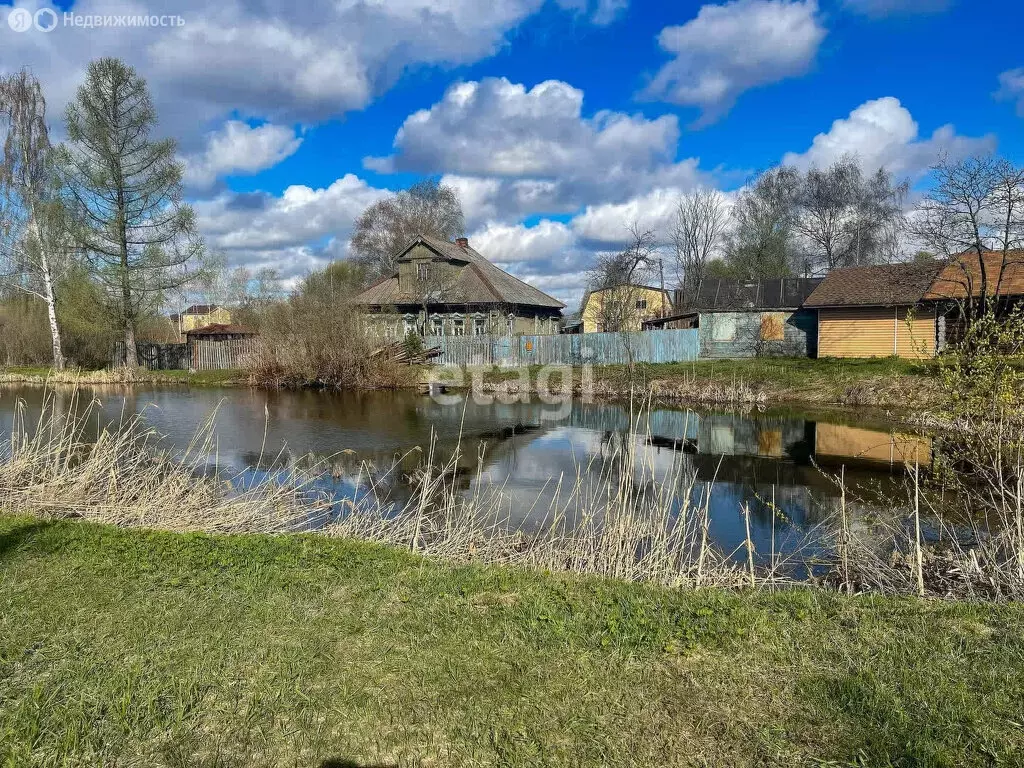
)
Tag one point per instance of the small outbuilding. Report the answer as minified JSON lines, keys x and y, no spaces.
{"x":748,"y":318}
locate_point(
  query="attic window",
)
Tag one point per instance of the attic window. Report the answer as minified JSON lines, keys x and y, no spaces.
{"x":422,"y":271}
{"x":641,"y":303}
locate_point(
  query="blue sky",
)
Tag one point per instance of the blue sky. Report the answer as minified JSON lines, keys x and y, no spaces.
{"x":559,"y":121}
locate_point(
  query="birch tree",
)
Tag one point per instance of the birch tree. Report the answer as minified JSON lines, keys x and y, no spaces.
{"x":125,"y":187}
{"x":702,"y":218}
{"x":33,"y":243}
{"x":387,"y":226}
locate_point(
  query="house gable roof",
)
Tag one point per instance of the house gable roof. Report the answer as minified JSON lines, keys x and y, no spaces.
{"x":479,"y":282}
{"x":962,"y":276}
{"x":883,"y":285}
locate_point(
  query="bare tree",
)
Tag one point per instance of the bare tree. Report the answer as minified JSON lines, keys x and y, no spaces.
{"x":620,"y":278}
{"x":844,"y":219}
{"x":387,"y":226}
{"x":33,"y":239}
{"x":975,"y":206}
{"x":702,"y":219}
{"x":760,"y":244}
{"x":126,"y":189}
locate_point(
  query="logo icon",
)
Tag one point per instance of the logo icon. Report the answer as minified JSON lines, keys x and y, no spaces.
{"x":46,"y":19}
{"x":20,"y":19}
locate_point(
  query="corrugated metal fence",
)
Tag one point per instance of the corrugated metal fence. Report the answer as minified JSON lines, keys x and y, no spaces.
{"x":670,"y":346}
{"x":198,"y":354}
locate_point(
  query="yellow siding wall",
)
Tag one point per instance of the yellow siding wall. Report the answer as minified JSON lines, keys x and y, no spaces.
{"x":658,"y":305}
{"x":220,"y":316}
{"x":875,"y":332}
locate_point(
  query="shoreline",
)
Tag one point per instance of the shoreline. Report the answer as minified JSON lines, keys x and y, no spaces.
{"x":909,"y":392}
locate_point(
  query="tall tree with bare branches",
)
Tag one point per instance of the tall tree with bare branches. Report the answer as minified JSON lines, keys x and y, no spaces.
{"x":975,"y":205}
{"x":125,"y":189}
{"x":33,"y":242}
{"x":387,"y":226}
{"x":701,"y":222}
{"x":843,"y":218}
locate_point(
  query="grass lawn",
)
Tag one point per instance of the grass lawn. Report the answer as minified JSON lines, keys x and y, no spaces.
{"x":130,"y":648}
{"x":887,"y":382}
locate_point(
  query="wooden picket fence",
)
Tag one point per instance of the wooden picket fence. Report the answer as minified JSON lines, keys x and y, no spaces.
{"x":198,"y":354}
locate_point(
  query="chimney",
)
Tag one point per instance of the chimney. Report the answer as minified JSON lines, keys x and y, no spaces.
{"x":462,"y":242}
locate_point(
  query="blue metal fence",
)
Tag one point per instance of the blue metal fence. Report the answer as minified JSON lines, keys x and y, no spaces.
{"x":670,"y":346}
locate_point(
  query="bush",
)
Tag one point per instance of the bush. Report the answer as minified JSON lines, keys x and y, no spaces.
{"x":316,"y":339}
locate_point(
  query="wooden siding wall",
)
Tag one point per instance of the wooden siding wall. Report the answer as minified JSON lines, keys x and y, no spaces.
{"x":875,"y":332}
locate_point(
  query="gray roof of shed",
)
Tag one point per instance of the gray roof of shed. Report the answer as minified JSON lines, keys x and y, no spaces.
{"x":727,"y":294}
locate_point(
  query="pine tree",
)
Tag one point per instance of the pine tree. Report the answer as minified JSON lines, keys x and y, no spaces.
{"x":126,"y":188}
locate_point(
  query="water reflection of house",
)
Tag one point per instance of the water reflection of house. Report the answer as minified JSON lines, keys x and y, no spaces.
{"x":839,"y":441}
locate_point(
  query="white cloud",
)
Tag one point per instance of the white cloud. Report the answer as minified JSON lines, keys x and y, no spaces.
{"x":1011,"y":88}
{"x":608,"y":224}
{"x":882,"y":133}
{"x":514,"y":151}
{"x":274,"y":60}
{"x":508,"y":244}
{"x":728,"y":49}
{"x":883,"y":8}
{"x":495,"y":127}
{"x":238,"y":148}
{"x":301,"y":229}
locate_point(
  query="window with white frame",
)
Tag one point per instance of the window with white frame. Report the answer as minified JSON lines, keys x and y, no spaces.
{"x":458,"y":326}
{"x":437,"y":326}
{"x":511,"y":324}
{"x":479,"y":325}
{"x":408,"y":324}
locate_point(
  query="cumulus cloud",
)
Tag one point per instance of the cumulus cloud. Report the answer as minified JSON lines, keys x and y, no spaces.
{"x":274,"y":60}
{"x":509,"y":244}
{"x":1011,"y":88}
{"x":296,"y":231}
{"x":239,"y":149}
{"x":728,"y":49}
{"x":607,"y":225}
{"x":882,"y":133}
{"x":883,"y":8}
{"x":514,"y":151}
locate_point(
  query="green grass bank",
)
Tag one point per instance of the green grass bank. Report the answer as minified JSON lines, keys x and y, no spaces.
{"x":132,"y":648}
{"x":882,"y":383}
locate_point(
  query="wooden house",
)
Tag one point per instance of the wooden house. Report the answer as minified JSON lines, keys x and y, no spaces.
{"x":449,"y":289}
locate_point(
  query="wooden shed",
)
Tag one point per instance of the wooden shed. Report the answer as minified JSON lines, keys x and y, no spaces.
{"x":876,"y":311}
